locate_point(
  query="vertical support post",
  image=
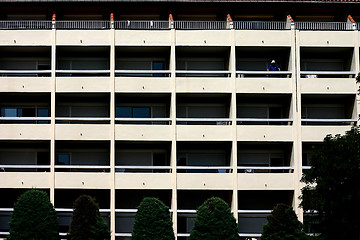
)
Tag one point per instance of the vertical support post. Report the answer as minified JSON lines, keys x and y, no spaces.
{"x":52,"y":110}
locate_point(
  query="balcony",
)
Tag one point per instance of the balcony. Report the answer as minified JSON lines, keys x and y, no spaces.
{"x":143,"y":109}
{"x":328,"y":110}
{"x":126,"y":208}
{"x":334,"y":62}
{"x":25,"y":62}
{"x":25,"y":108}
{"x":82,"y":156}
{"x":202,"y":62}
{"x":142,"y":157}
{"x":264,"y":157}
{"x":82,"y":61}
{"x":268,"y":109}
{"x":142,"y":62}
{"x":25,"y":156}
{"x":255,"y":206}
{"x":90,"y":108}
{"x":248,"y":66}
{"x":210,"y":157}
{"x":323,"y":26}
{"x":188,"y":202}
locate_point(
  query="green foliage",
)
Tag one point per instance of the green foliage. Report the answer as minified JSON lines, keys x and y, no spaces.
{"x":283,"y":225}
{"x":34,"y":218}
{"x":152,"y":221}
{"x":214,"y":221}
{"x":86,"y":223}
{"x":332,"y":186}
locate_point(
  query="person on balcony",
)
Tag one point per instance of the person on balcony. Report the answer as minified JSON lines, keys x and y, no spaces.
{"x":273,"y":66}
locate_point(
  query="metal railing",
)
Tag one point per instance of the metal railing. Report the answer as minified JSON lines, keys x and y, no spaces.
{"x":152,"y":24}
{"x":267,"y":121}
{"x":25,"y":73}
{"x":210,"y":25}
{"x":332,"y":74}
{"x":140,"y":169}
{"x":25,"y":120}
{"x":327,"y":121}
{"x":82,"y":120}
{"x":203,"y":73}
{"x":142,"y":73}
{"x":204,"y":121}
{"x":204,"y":169}
{"x":327,"y":26}
{"x":266,"y":74}
{"x":83,"y":24}
{"x":25,"y":24}
{"x":85,"y":168}
{"x":22,"y":167}
{"x":146,"y":121}
{"x":82,"y":73}
{"x":260,"y":25}
{"x":256,"y":169}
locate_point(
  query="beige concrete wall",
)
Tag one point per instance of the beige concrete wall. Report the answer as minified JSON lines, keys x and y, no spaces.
{"x":25,"y":84}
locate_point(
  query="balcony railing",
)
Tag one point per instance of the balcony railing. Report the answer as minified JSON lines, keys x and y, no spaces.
{"x":327,"y":26}
{"x":144,"y":121}
{"x":25,"y":120}
{"x":262,"y":121}
{"x":204,"y":121}
{"x":81,"y":168}
{"x":201,"y":73}
{"x":331,"y":74}
{"x":143,"y":169}
{"x":256,"y":169}
{"x":204,"y":169}
{"x":260,"y":25}
{"x":324,"y":121}
{"x":25,"y":73}
{"x":83,"y":24}
{"x":24,"y":168}
{"x":210,"y":25}
{"x":82,"y":73}
{"x":266,"y":74}
{"x":128,"y":24}
{"x":25,"y":24}
{"x":142,"y":73}
{"x":82,"y":120}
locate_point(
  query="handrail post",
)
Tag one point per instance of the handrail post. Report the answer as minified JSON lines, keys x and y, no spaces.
{"x":112,"y":20}
{"x":53,"y":21}
{"x":171,"y":21}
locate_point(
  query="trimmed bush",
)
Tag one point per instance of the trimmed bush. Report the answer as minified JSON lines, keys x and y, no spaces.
{"x":152,"y":221}
{"x":86,"y":222}
{"x":283,"y":224}
{"x":34,"y":218}
{"x":214,"y":221}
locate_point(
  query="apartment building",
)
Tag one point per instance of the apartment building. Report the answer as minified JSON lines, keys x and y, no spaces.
{"x":122,"y":100}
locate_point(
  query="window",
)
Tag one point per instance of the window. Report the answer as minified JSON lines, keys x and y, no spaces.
{"x":133,"y":112}
{"x":63,"y":159}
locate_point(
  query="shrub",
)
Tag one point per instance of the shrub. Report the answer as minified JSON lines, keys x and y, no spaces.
{"x":34,"y":218}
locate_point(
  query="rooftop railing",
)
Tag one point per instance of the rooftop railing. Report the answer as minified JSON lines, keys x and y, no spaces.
{"x":181,"y":25}
{"x":194,"y":25}
{"x":260,"y":25}
{"x":128,"y":24}
{"x":25,"y":24}
{"x":328,"y":26}
{"x":82,"y":24}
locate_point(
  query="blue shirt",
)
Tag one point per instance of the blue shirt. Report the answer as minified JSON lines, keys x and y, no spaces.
{"x":273,"y":68}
